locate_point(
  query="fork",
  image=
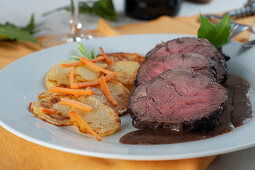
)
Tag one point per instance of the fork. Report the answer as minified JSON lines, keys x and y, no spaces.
{"x":238,"y":28}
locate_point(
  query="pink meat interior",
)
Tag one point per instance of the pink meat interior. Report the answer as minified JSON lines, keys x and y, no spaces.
{"x":177,"y":96}
{"x":154,"y":66}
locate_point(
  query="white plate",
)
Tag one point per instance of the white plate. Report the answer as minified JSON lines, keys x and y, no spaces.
{"x":22,"y":81}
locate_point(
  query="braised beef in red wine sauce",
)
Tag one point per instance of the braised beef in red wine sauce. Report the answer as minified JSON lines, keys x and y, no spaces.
{"x":238,"y":111}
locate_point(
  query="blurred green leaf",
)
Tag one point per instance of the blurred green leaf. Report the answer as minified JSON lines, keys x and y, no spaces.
{"x":15,"y":33}
{"x":105,"y":9}
{"x":10,"y":31}
{"x":30,"y":26}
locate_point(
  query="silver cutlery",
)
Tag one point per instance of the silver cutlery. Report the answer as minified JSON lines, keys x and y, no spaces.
{"x":248,"y":10}
{"x":237,"y":28}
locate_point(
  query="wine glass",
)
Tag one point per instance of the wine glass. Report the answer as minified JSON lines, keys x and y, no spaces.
{"x":76,"y":31}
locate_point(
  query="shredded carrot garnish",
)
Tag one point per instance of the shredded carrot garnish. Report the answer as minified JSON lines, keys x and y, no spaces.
{"x":79,"y":92}
{"x":99,"y":58}
{"x":93,"y":83}
{"x":92,"y":65}
{"x":72,"y":64}
{"x":107,"y":59}
{"x":85,"y":84}
{"x":76,"y":117}
{"x":76,"y":104}
{"x":106,"y":91}
{"x":71,"y":77}
{"x":48,"y":111}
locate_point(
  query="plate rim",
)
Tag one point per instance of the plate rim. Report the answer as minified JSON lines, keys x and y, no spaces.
{"x":115,"y":155}
{"x":121,"y":156}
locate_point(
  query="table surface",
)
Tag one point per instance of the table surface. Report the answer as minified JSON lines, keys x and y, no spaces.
{"x":19,"y":12}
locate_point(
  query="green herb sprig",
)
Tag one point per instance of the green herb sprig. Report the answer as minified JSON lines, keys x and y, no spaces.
{"x":10,"y":31}
{"x":217,"y":34}
{"x":84,"y":53}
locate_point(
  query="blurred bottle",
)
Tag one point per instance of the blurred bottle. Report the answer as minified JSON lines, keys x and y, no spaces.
{"x":151,"y":9}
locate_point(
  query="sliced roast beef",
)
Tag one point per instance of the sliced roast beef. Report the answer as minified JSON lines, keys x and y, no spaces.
{"x":156,"y":65}
{"x":178,"y":99}
{"x":194,"y":45}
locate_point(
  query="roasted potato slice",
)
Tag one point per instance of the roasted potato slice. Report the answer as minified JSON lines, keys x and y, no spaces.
{"x":126,"y":57}
{"x":85,"y":73}
{"x":52,"y":100}
{"x":102,"y":119}
{"x":47,"y":93}
{"x":119,"y":92}
{"x":128,"y":70}
{"x":59,"y":76}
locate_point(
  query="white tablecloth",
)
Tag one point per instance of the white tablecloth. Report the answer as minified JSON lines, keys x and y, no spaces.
{"x":19,"y":12}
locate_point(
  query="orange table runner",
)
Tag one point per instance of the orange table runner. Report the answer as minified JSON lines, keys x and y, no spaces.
{"x":165,"y":24}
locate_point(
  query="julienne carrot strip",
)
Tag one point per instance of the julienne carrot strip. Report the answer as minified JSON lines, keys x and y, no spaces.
{"x":80,"y":92}
{"x":72,"y":64}
{"x":85,"y":84}
{"x":89,"y":63}
{"x":106,"y":91}
{"x":93,"y":83}
{"x":71,"y":77}
{"x":107,"y":59}
{"x":79,"y":63}
{"x":48,"y":111}
{"x":76,"y":104}
{"x":76,"y":117}
{"x":99,"y":58}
